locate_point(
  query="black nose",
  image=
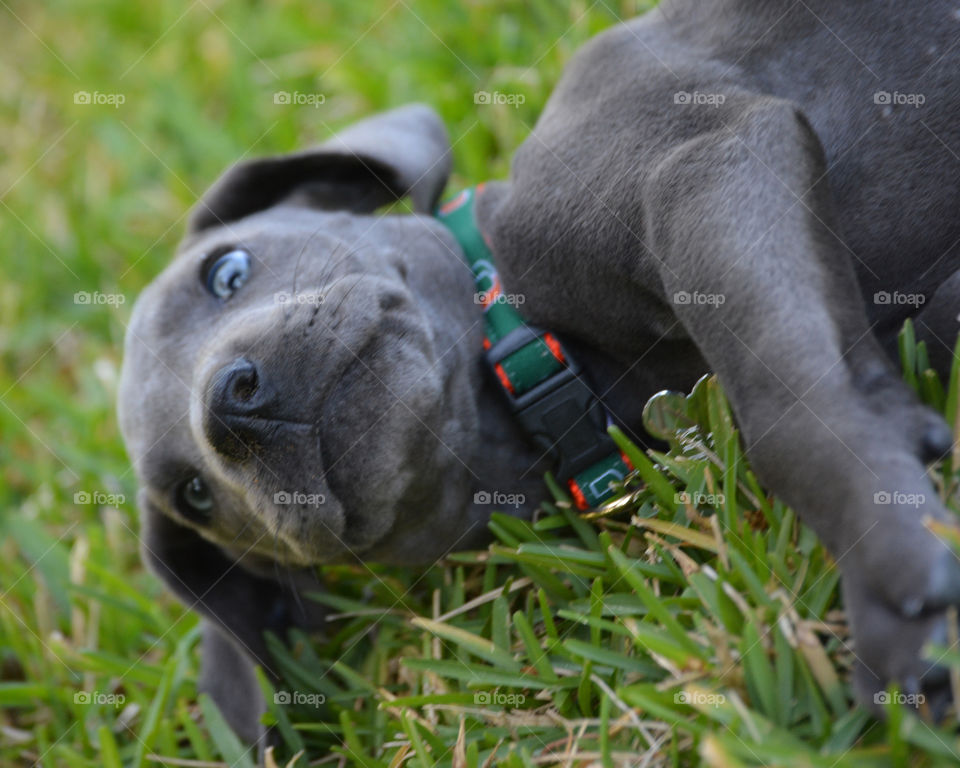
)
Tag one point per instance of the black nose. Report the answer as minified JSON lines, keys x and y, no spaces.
{"x":237,"y":405}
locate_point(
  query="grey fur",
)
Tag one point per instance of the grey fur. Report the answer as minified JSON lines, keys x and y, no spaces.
{"x":796,"y":199}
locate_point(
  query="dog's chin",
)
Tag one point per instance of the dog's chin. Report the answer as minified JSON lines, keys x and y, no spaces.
{"x":369,"y":532}
{"x":377,"y":470}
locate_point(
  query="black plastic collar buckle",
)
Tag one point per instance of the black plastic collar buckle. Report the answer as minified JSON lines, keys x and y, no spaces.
{"x":560,"y":414}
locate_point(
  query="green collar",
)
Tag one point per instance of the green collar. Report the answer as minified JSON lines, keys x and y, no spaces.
{"x":543,"y":385}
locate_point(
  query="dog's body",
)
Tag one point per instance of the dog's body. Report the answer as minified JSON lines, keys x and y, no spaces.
{"x":581,"y":185}
{"x":732,"y":149}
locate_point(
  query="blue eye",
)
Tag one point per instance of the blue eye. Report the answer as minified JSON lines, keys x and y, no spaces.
{"x":194,"y":500}
{"x":228,"y":273}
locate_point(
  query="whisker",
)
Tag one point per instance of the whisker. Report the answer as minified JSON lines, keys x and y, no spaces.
{"x":345,"y":296}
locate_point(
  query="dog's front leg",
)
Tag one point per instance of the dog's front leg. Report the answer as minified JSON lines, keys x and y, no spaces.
{"x":740,"y":221}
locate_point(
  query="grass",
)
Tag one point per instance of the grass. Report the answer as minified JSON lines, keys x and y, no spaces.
{"x":702,"y":628}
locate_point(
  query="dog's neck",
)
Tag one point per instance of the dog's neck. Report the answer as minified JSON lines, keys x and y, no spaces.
{"x":550,"y":399}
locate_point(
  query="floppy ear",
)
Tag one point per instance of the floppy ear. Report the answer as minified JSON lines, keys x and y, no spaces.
{"x":239,"y":607}
{"x":371,"y":163}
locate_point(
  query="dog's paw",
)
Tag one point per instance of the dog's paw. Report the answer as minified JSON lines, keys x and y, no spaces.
{"x":895,"y":643}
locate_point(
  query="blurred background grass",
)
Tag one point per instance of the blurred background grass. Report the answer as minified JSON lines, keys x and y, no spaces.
{"x":93,"y":200}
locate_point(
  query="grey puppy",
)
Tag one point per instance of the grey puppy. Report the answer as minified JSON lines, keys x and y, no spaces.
{"x":761,"y":188}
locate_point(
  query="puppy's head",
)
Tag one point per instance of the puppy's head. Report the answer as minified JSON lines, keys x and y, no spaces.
{"x":297,"y":384}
